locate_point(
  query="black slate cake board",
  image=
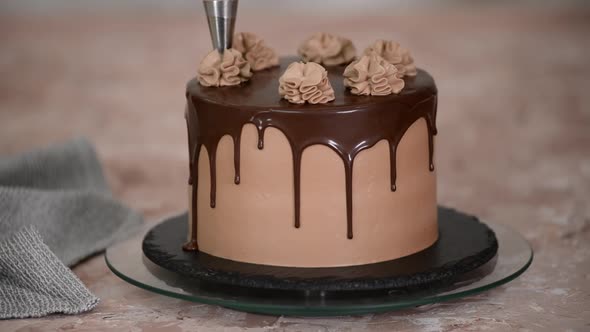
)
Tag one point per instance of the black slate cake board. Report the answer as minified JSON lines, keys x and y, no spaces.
{"x":464,"y":244}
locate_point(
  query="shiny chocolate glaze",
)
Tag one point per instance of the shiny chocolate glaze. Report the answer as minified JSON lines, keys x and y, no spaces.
{"x":347,"y":125}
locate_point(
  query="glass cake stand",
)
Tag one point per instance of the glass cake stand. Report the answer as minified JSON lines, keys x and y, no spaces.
{"x":127,"y":261}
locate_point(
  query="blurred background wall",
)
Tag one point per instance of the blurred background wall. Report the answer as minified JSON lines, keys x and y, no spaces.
{"x":325,"y":6}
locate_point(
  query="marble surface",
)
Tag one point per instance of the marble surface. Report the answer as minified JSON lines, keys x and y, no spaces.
{"x":514,"y":145}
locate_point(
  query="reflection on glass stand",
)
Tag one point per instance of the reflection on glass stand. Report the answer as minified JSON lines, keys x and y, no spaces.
{"x":127,"y":261}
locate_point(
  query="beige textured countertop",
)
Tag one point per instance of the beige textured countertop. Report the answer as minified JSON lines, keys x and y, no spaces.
{"x":514,"y":145}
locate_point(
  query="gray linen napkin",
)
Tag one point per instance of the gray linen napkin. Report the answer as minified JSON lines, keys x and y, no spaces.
{"x":55,"y":210}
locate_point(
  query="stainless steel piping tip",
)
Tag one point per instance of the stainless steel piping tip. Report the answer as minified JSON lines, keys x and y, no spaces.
{"x":221,"y":17}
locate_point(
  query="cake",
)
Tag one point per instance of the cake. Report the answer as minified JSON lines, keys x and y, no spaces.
{"x":276,"y":179}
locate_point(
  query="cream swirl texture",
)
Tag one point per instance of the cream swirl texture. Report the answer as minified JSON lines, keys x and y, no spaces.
{"x":372,"y":75}
{"x":306,"y":82}
{"x":255,"y":51}
{"x":327,"y":49}
{"x":393,"y":53}
{"x":224,"y":70}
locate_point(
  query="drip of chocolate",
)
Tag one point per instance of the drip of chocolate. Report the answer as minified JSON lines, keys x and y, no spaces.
{"x":348,"y":125}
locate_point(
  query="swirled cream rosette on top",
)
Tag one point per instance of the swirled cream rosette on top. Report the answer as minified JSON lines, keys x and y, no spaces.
{"x":372,"y":75}
{"x":228,"y":69}
{"x":327,"y":49}
{"x":393,"y":53}
{"x":306,"y":82}
{"x":255,"y":51}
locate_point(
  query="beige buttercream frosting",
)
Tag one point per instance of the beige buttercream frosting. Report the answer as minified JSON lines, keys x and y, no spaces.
{"x":393,"y":53}
{"x":306,"y":82}
{"x":327,"y":49}
{"x":229,"y":69}
{"x":372,"y":75}
{"x":255,"y":51}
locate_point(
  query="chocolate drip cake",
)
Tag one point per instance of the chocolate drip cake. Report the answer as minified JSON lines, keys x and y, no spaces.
{"x":278,"y":179}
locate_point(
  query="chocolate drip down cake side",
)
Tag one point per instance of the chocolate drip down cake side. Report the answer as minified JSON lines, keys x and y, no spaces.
{"x":321,"y":160}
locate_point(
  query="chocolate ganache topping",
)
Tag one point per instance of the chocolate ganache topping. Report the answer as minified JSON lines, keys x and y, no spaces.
{"x":347,"y":125}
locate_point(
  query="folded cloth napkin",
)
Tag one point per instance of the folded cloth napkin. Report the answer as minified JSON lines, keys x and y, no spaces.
{"x":55,"y":210}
